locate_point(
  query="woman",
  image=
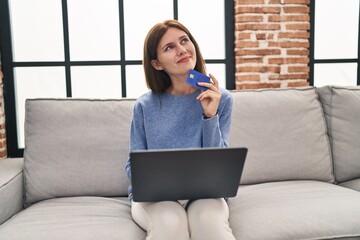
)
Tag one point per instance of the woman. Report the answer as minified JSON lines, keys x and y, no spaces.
{"x":177,"y":115}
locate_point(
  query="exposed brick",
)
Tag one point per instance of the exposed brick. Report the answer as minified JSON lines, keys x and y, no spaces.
{"x":288,"y":60}
{"x":289,"y":18}
{"x":297,"y":52}
{"x":274,"y":2}
{"x":252,"y":2}
{"x":262,"y":69}
{"x":289,"y":44}
{"x":289,"y":76}
{"x":3,"y":144}
{"x":241,"y":36}
{"x":249,"y":18}
{"x":248,"y":77}
{"x":241,"y":9}
{"x":241,"y":86}
{"x":278,"y":51}
{"x":249,"y":60}
{"x":249,"y":26}
{"x":261,"y":36}
{"x":298,"y":35}
{"x":258,"y":51}
{"x":307,"y":2}
{"x":2,"y":134}
{"x":298,"y":84}
{"x":270,"y":36}
{"x":296,"y":9}
{"x":3,"y":153}
{"x":302,"y":26}
{"x":1,"y":73}
{"x":246,"y":44}
{"x":298,"y":69}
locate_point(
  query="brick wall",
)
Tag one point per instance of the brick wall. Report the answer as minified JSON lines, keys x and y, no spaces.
{"x":3,"y":152}
{"x":272,"y":43}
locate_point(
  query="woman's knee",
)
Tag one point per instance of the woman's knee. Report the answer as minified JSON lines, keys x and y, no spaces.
{"x":208,"y":210}
{"x":162,"y":218}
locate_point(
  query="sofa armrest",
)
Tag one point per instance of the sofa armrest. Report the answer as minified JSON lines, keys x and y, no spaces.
{"x":11,"y":187}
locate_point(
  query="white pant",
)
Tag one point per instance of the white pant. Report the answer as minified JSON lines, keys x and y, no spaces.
{"x":204,"y":219}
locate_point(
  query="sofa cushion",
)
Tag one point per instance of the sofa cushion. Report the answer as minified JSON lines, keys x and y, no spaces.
{"x":295,"y":210}
{"x":342,"y":111}
{"x":11,"y":187}
{"x":76,"y":147}
{"x":285,"y":132}
{"x":76,"y":218}
{"x":353,"y":184}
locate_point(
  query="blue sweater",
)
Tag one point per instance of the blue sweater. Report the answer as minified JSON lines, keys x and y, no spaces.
{"x":177,"y":122}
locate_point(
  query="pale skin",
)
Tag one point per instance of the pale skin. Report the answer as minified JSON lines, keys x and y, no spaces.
{"x":176,"y":56}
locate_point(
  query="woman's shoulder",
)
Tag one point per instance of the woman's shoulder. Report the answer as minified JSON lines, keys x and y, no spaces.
{"x":146,"y":98}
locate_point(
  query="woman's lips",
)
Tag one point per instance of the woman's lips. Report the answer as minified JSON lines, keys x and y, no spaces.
{"x":184,"y":60}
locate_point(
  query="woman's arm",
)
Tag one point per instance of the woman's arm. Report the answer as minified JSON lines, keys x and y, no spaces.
{"x":216,"y":130}
{"x":137,"y":134}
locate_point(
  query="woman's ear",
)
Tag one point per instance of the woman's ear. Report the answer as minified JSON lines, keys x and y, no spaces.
{"x":156,"y":65}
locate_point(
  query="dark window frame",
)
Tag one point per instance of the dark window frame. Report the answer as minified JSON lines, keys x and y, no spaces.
{"x":8,"y":65}
{"x":314,"y":61}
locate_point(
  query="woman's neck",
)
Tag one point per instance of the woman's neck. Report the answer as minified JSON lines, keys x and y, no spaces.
{"x":180,"y":89}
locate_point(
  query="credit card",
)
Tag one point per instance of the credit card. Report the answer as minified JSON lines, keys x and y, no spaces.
{"x":194,"y":77}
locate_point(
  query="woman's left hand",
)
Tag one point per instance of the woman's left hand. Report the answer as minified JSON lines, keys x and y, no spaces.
{"x":210,"y":98}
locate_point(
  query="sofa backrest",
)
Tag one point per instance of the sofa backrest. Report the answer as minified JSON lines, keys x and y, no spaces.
{"x":76,"y":147}
{"x":286,"y":135}
{"x":342,"y":111}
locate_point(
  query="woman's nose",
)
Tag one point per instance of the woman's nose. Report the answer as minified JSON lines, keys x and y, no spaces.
{"x":181,"y":50}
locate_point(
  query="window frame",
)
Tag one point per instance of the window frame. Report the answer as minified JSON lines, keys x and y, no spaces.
{"x":314,"y":61}
{"x":8,"y":65}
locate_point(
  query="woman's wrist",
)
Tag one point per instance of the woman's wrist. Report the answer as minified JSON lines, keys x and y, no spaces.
{"x":205,"y":116}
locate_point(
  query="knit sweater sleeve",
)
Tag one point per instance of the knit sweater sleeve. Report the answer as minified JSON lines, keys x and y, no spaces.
{"x":137,"y":134}
{"x":216,"y":130}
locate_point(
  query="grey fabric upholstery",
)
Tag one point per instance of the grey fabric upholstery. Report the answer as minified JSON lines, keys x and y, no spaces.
{"x":11,"y":187}
{"x":76,"y":218}
{"x":75,"y":152}
{"x":353,"y":184}
{"x":342,"y":111}
{"x":285,"y":132}
{"x":295,"y":210}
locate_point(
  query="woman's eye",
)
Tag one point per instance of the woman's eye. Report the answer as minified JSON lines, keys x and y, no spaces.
{"x":185,"y":40}
{"x":169,"y":47}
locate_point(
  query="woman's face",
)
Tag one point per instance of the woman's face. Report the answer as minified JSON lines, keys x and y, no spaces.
{"x":176,"y":53}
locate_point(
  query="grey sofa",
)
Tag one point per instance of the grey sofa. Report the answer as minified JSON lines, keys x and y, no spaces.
{"x":301,"y":178}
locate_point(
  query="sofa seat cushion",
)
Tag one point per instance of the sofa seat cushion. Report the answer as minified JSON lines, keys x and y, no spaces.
{"x":11,"y":187}
{"x":295,"y":210}
{"x":75,"y":218}
{"x":353,"y":184}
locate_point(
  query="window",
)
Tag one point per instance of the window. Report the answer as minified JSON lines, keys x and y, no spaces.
{"x":93,"y":48}
{"x":334,"y":49}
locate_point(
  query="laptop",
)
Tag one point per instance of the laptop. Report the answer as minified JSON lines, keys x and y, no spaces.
{"x":181,"y":174}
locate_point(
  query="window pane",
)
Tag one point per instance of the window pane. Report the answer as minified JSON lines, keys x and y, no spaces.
{"x":96,"y":81}
{"x":37,"y":30}
{"x":135,"y":81}
{"x":343,"y":74}
{"x":336,"y":29}
{"x":206,"y":25}
{"x":94,"y":30}
{"x":36,"y":82}
{"x":219,"y":72}
{"x":138,"y":21}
